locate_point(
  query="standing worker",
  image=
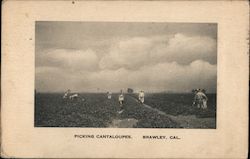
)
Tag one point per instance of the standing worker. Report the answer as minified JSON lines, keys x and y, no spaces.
{"x":109,"y":94}
{"x":121,"y":101}
{"x":141,"y":97}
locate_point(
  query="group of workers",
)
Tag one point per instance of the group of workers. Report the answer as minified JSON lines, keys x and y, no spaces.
{"x":121,"y":97}
{"x":200,"y":98}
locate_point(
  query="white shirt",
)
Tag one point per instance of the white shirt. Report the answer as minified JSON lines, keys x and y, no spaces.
{"x":141,"y":94}
{"x":121,"y":97}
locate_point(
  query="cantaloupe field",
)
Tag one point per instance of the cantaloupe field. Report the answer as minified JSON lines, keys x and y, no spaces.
{"x":160,"y":110}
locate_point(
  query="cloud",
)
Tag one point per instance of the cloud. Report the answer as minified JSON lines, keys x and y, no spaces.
{"x":68,"y":59}
{"x":167,"y":76}
{"x":175,"y":63}
{"x":135,"y":52}
{"x":127,"y":53}
{"x":55,"y":79}
{"x":162,"y":77}
{"x":185,"y":49}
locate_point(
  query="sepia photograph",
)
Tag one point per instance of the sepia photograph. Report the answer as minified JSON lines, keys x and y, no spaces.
{"x":125,"y":74}
{"x":125,"y":79}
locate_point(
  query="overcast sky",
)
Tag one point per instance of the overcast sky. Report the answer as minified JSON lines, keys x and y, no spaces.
{"x":110,"y":56}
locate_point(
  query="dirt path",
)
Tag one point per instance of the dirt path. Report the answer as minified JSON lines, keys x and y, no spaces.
{"x":130,"y":122}
{"x":187,"y":121}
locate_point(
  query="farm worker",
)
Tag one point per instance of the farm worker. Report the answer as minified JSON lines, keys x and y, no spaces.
{"x":141,"y":96}
{"x":121,"y":98}
{"x":109,"y":95}
{"x":121,"y":101}
{"x":200,"y":99}
{"x":66,"y":94}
